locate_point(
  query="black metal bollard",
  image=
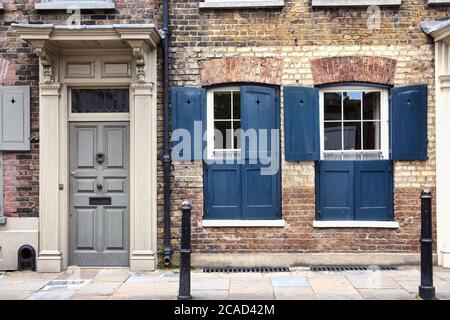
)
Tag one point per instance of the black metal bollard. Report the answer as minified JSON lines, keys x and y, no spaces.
{"x":426,"y":288}
{"x":184,"y":292}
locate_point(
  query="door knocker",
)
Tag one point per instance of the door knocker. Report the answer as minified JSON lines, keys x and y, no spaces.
{"x":100,"y":157}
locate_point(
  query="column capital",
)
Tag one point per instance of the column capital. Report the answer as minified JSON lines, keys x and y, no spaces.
{"x":50,"y":89}
{"x":143,"y":89}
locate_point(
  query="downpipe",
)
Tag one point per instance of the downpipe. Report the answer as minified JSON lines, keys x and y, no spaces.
{"x":166,"y":157}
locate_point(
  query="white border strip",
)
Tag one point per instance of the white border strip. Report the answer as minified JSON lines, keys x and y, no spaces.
{"x":243,"y":223}
{"x":356,"y":224}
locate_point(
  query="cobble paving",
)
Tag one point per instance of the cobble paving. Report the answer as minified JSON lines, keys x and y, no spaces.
{"x":298,"y":284}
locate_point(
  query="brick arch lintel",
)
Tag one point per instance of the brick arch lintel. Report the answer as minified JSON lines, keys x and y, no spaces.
{"x":241,"y":69}
{"x":377,"y":70}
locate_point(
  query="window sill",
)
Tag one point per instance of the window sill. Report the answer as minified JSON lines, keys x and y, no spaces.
{"x":356,"y":224}
{"x":241,"y":4}
{"x":63,"y":5}
{"x":242,"y":223}
{"x":438,"y":2}
{"x":355,"y":3}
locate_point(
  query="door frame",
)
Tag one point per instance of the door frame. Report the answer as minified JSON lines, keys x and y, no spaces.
{"x":143,"y":204}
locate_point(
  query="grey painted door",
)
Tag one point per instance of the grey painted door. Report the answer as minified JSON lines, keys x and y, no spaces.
{"x":99,"y":173}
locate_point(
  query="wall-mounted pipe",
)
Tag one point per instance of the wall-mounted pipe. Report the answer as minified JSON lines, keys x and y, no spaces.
{"x":166,"y":157}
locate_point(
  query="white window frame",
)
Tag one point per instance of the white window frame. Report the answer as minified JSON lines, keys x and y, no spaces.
{"x":74,"y":4}
{"x":217,"y":4}
{"x":384,"y":120}
{"x":211,"y":151}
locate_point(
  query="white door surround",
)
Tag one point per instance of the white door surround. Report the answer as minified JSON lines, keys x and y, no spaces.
{"x":440,"y":31}
{"x":95,"y":56}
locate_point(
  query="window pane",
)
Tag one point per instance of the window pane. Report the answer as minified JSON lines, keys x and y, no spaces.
{"x":332,"y":105}
{"x":222,"y":105}
{"x":236,"y":105}
{"x":333,"y":136}
{"x":371,"y":105}
{"x":100,"y":100}
{"x":237,"y":136}
{"x":352,"y":105}
{"x":371,"y":136}
{"x":352,"y":135}
{"x":222,"y":138}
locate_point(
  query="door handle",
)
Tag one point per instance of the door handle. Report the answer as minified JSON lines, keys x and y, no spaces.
{"x":99,"y":186}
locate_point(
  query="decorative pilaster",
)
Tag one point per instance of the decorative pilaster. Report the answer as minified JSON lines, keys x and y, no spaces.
{"x":50,"y":256}
{"x":143,"y":178}
{"x":442,"y":169}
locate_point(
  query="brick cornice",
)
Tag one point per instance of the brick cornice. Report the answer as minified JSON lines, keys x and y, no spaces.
{"x":241,"y":69}
{"x":353,"y":69}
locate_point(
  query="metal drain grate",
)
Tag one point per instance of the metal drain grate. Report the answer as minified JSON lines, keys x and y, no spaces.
{"x":255,"y":269}
{"x":352,"y":268}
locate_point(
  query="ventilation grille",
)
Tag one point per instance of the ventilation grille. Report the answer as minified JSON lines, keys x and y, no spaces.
{"x":352,"y":268}
{"x":255,"y":269}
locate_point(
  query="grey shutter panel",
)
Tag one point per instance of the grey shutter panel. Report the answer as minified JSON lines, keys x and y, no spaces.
{"x":15,"y":118}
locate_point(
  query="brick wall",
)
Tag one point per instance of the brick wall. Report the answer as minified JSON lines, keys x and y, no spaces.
{"x":293,"y":35}
{"x":297,"y":35}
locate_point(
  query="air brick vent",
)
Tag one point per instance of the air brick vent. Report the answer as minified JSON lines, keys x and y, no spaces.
{"x":242,"y":270}
{"x":352,"y":268}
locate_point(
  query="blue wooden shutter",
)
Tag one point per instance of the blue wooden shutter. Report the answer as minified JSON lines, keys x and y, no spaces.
{"x":223,"y":191}
{"x":336,"y":190}
{"x":188,"y":107}
{"x":301,"y":124}
{"x":409,"y":123}
{"x":373,"y":190}
{"x":15,"y":118}
{"x":259,"y":110}
{"x":261,"y":193}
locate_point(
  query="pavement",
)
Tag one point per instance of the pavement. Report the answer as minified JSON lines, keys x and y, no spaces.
{"x":298,"y":284}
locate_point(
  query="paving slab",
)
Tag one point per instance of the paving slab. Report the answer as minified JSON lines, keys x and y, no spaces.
{"x":112,"y":275}
{"x":294,"y":293}
{"x":372,"y":280}
{"x":210,"y":284}
{"x":27,"y":285}
{"x":99,"y":288}
{"x":33,"y":275}
{"x":386,"y":294}
{"x":210,"y":294}
{"x":77,"y":296}
{"x":252,"y":296}
{"x":79,"y":274}
{"x":239,"y":286}
{"x":332,"y":285}
{"x":292,"y":281}
{"x":147,"y":290}
{"x":52,"y":295}
{"x":7,"y":294}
